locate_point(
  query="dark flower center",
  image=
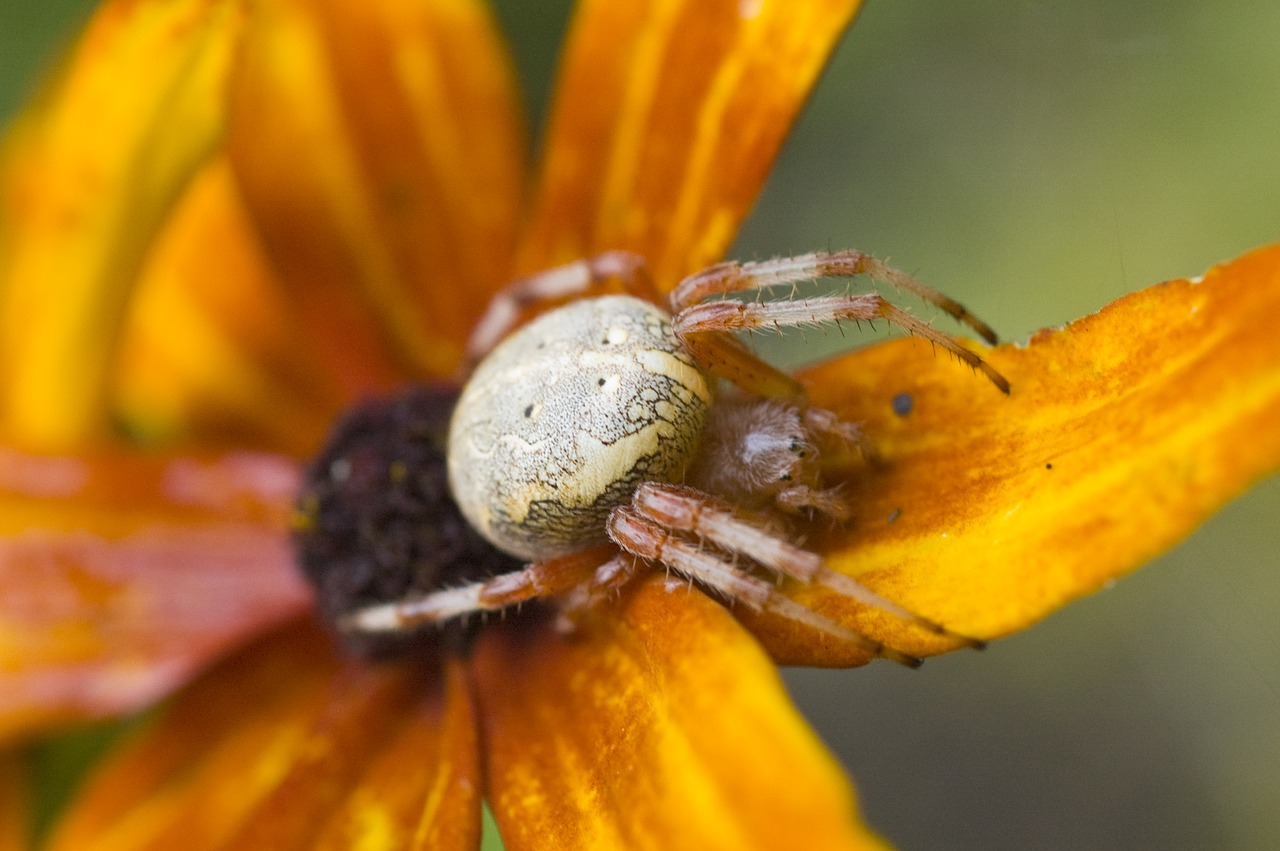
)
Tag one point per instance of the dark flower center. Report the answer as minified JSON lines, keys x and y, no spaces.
{"x":377,"y":522}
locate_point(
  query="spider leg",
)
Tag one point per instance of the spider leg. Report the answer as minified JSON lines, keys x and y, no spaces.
{"x":719,"y":316}
{"x":534,"y":581}
{"x":687,"y":510}
{"x":725,"y":357}
{"x":801,"y":498}
{"x":591,"y":275}
{"x":651,"y":540}
{"x":845,"y":435}
{"x":609,"y":578}
{"x":736,"y":277}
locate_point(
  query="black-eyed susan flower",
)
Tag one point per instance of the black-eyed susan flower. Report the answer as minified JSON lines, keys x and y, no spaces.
{"x":226,"y":222}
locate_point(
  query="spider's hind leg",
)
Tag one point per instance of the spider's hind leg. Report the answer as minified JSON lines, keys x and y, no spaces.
{"x":539,"y":580}
{"x":594,"y":275}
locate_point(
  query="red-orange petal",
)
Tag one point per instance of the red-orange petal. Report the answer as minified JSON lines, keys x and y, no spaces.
{"x":124,"y":575}
{"x":1124,"y":431}
{"x":288,"y":746}
{"x":89,"y":177}
{"x":667,"y":118}
{"x":661,"y":725}
{"x":15,"y":805}
{"x":380,"y":151}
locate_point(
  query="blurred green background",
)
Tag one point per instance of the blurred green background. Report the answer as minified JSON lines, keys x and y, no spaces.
{"x":1035,"y":160}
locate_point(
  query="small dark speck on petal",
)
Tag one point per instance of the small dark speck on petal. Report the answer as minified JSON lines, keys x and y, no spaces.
{"x":902,"y":404}
{"x":895,"y":514}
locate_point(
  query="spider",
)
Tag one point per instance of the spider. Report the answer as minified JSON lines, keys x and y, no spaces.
{"x":593,"y":443}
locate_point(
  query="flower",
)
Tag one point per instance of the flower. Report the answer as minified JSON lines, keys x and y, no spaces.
{"x":665,"y":723}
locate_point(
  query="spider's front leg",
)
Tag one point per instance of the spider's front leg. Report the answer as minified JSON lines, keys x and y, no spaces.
{"x":690,"y":511}
{"x":715,"y":568}
{"x":732,"y":277}
{"x":702,"y":325}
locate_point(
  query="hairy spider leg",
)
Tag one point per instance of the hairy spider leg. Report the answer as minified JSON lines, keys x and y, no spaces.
{"x":735,"y":277}
{"x":700,"y":324}
{"x":685,"y":509}
{"x":828,"y":425}
{"x":538,"y":580}
{"x":651,"y":540}
{"x":803,"y":498}
{"x":721,"y":316}
{"x":609,"y":271}
{"x":580,"y":604}
{"x":724,"y":357}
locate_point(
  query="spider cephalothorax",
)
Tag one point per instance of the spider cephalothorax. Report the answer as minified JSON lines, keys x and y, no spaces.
{"x":600,"y":423}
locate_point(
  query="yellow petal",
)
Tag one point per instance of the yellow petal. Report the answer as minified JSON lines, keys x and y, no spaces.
{"x":667,"y":118}
{"x":380,"y":153}
{"x":287,"y":746}
{"x":1124,"y":431}
{"x":660,"y":726}
{"x":123,"y":575}
{"x":87,"y":182}
{"x":15,"y":805}
{"x":212,"y":349}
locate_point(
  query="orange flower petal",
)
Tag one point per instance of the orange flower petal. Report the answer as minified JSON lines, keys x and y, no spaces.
{"x":662,"y":727}
{"x":1124,"y":431}
{"x":124,"y":575}
{"x":212,"y":349}
{"x":88,"y":181}
{"x":380,"y":152}
{"x":15,"y":808}
{"x":285,"y":747}
{"x":668,"y":116}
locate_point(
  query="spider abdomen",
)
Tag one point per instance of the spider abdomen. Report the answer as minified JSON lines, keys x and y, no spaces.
{"x":562,"y":421}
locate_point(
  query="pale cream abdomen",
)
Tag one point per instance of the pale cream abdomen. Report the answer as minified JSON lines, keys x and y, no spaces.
{"x":562,"y":421}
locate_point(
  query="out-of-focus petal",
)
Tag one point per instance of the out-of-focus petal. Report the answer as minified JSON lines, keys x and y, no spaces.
{"x":287,"y":746}
{"x":122,"y":575}
{"x":1124,"y":431}
{"x":663,"y":727}
{"x":380,"y":151}
{"x":668,"y":116}
{"x":15,"y":806}
{"x":89,"y":178}
{"x":212,"y":349}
